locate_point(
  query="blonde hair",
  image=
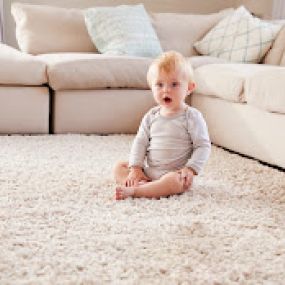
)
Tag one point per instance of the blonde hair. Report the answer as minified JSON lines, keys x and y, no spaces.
{"x":168,"y":62}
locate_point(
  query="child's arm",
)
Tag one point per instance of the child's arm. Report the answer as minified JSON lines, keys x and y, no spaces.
{"x":136,"y":175}
{"x":201,"y":141}
{"x":138,"y":152}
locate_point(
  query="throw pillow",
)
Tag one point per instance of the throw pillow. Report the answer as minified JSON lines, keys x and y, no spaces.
{"x":46,"y":29}
{"x":122,"y":30}
{"x":239,"y":37}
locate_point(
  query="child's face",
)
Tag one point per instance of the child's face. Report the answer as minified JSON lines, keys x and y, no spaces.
{"x":170,"y":90}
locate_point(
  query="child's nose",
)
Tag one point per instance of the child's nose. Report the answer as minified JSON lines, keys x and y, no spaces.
{"x":166,"y":88}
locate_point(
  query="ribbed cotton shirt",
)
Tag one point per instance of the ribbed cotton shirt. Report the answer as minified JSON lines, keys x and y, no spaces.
{"x":165,"y":144}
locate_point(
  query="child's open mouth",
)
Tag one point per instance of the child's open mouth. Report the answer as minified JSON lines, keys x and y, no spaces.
{"x":167,"y":100}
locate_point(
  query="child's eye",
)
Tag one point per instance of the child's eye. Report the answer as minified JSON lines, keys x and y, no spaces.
{"x":175,"y":84}
{"x":159,"y":84}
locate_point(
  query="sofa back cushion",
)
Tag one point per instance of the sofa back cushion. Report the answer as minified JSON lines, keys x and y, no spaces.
{"x":275,"y":53}
{"x":180,"y":31}
{"x":43,"y":29}
{"x":283,"y":60}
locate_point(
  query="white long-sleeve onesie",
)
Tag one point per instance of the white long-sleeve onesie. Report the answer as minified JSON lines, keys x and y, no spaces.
{"x":165,"y":144}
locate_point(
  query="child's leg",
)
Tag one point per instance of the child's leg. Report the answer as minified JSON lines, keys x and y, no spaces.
{"x":168,"y":184}
{"x":121,"y":172}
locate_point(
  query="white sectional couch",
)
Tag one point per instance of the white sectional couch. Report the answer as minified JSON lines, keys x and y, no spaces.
{"x":243,"y":104}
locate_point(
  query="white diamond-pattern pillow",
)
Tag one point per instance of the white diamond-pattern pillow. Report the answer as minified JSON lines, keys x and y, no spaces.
{"x":240,"y":37}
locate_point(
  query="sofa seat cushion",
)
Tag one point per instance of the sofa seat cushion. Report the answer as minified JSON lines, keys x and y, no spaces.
{"x":17,"y":68}
{"x":265,"y":90}
{"x":83,"y":71}
{"x":200,"y":60}
{"x":225,"y":81}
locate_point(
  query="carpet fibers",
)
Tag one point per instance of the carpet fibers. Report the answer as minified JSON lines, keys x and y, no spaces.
{"x":60,"y":224}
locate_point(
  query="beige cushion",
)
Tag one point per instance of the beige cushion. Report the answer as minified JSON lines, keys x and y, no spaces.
{"x":180,"y":31}
{"x":274,"y":55}
{"x":225,"y":81}
{"x":197,"y":61}
{"x":24,"y":110}
{"x":283,"y":60}
{"x":265,"y":90}
{"x":70,"y":71}
{"x":43,"y":29}
{"x":18,"y":68}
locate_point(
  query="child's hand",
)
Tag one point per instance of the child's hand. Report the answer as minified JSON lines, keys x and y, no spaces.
{"x":186,"y":176}
{"x":135,"y":176}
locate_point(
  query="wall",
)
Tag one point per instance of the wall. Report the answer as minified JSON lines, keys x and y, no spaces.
{"x":261,"y":8}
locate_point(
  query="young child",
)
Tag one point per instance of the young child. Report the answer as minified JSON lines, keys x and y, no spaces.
{"x":172,"y":143}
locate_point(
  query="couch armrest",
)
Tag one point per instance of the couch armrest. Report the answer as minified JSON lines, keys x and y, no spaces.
{"x":18,"y":68}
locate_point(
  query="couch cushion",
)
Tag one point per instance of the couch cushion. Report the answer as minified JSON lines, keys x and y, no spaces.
{"x":200,"y":60}
{"x":122,"y":30}
{"x":274,"y":55}
{"x":17,"y":68}
{"x":282,"y":63}
{"x":265,"y":89}
{"x":180,"y":31}
{"x":44,"y":29}
{"x":68,"y":71}
{"x":240,"y":37}
{"x":225,"y":81}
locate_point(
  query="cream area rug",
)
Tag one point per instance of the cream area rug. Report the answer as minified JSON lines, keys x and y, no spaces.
{"x":60,"y":224}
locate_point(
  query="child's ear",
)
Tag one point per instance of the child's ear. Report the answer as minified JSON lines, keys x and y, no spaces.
{"x":191,"y":86}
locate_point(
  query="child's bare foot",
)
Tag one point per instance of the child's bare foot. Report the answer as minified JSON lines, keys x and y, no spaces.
{"x":124,"y":192}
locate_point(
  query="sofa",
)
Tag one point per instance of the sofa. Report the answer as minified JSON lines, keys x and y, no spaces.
{"x":57,"y":82}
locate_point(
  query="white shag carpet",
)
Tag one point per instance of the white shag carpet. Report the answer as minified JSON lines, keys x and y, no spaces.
{"x":60,"y":224}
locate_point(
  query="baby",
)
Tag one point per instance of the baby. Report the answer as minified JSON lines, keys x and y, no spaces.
{"x":172,"y":143}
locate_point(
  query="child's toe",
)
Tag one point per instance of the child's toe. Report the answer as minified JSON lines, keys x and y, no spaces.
{"x":119,"y":193}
